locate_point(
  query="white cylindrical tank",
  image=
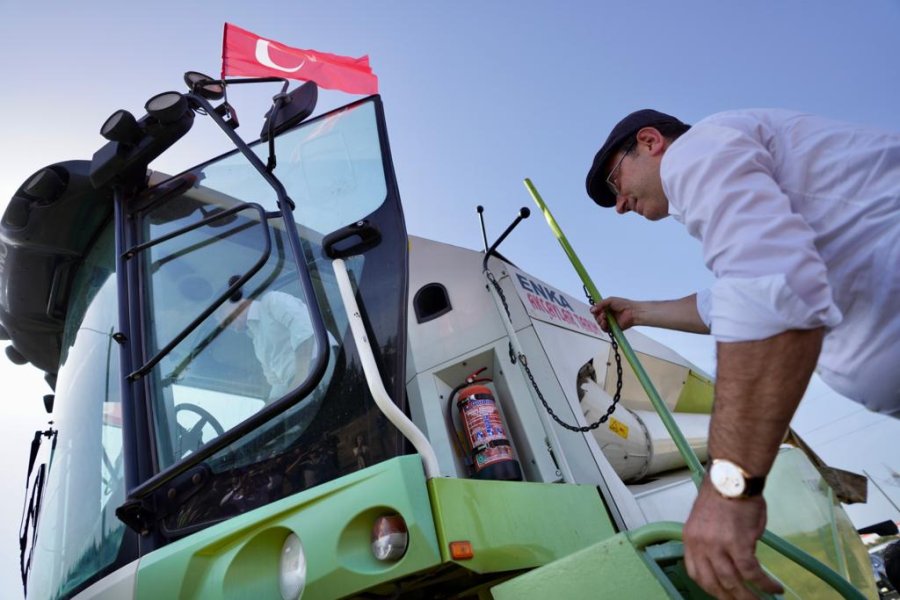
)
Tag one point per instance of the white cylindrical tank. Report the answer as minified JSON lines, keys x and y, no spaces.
{"x":636,"y":442}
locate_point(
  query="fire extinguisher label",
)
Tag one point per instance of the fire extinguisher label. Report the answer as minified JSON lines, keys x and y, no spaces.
{"x":484,"y":429}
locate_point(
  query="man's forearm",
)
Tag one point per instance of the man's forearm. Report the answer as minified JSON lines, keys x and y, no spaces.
{"x":678,"y":314}
{"x":758,"y":387}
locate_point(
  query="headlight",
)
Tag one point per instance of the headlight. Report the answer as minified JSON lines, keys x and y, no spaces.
{"x":389,"y":537}
{"x":292,"y":570}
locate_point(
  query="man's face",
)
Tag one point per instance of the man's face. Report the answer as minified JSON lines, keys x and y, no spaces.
{"x":233,"y":314}
{"x":638,"y":183}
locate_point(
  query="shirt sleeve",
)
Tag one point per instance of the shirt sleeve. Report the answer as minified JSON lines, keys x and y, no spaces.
{"x":292,"y":313}
{"x":769,"y":276}
{"x":704,"y":305}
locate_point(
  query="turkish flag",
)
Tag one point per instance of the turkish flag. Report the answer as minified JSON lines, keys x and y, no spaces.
{"x":249,"y":55}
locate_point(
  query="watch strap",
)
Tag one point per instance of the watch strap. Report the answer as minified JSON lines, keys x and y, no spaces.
{"x":754,"y":486}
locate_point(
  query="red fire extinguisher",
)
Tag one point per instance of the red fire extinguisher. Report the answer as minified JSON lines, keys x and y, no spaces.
{"x":486,"y":439}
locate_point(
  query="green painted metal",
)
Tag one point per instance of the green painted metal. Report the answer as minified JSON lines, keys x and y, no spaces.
{"x":770,"y":539}
{"x":669,"y":531}
{"x":516,"y":525}
{"x":655,"y":533}
{"x":239,"y":558}
{"x":612,"y":568}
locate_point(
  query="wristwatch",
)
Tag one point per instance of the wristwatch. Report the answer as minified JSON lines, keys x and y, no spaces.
{"x":731,"y":481}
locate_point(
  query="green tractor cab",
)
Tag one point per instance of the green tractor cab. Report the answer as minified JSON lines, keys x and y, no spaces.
{"x":264,"y":388}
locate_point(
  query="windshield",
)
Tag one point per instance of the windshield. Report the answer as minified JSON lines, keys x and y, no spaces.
{"x":86,"y":473}
{"x":257,"y":346}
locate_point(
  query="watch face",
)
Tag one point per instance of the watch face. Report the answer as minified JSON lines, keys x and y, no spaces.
{"x":727,"y":478}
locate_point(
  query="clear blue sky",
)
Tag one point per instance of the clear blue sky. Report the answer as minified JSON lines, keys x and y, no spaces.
{"x":478,"y":96}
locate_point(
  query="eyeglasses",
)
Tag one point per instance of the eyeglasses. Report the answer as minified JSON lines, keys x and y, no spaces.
{"x":610,"y":179}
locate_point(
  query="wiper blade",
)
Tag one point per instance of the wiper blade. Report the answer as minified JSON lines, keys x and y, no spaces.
{"x":32,"y":507}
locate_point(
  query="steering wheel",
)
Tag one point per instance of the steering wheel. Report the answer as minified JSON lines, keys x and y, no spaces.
{"x":191,"y":439}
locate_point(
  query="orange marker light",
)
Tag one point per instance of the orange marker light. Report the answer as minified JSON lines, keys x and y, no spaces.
{"x":461,"y":550}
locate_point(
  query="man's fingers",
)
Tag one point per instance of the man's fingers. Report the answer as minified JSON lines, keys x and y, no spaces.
{"x":606,"y":304}
{"x":730,"y":578}
{"x":720,"y":540}
{"x":599,"y":312}
{"x":720,"y":574}
{"x":705,"y":576}
{"x":750,"y":570}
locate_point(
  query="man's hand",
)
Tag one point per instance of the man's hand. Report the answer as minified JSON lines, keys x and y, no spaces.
{"x":720,"y":543}
{"x":622,"y":309}
{"x":678,"y":314}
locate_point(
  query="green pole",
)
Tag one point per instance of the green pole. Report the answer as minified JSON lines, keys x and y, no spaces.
{"x":770,"y":539}
{"x":681,"y":443}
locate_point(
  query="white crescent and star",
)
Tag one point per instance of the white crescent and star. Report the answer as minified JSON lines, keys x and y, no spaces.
{"x":262,"y":55}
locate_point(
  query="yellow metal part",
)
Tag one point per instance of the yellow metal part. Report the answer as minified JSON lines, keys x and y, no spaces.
{"x":696,"y":394}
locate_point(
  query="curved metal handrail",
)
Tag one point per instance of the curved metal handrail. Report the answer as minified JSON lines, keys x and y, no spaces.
{"x":668,"y":531}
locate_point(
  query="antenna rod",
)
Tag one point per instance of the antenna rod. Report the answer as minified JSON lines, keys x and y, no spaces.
{"x":480,"y":210}
{"x":523,"y":214}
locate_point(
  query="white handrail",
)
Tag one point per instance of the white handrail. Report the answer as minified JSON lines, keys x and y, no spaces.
{"x":373,"y":377}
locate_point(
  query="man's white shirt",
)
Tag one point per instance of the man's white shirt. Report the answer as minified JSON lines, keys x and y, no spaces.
{"x":799,"y":218}
{"x":278,"y":323}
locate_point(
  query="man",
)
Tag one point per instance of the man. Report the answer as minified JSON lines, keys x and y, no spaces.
{"x":279,"y":327}
{"x":799,"y":218}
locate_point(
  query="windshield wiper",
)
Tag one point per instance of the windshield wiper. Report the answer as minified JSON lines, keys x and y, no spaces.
{"x":32,"y":506}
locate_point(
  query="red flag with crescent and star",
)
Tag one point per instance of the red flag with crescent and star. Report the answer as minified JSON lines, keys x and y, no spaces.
{"x":246,"y":54}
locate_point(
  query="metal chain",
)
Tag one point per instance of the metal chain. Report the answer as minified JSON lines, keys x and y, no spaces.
{"x":524,"y":360}
{"x":490,"y":276}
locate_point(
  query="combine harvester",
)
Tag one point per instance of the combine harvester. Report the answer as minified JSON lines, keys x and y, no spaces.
{"x":264,"y":388}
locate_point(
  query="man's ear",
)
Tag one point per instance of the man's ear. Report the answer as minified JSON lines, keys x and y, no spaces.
{"x":652,"y":139}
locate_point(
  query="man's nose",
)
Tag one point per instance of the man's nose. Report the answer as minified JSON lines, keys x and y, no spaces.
{"x":621,"y":204}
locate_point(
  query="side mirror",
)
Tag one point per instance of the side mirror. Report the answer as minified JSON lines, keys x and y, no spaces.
{"x":294,"y":108}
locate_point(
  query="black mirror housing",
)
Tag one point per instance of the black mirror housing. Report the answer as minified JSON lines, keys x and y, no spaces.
{"x":295,"y":107}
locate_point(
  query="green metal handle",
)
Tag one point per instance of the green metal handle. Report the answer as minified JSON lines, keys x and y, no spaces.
{"x":667,"y":531}
{"x":770,"y":539}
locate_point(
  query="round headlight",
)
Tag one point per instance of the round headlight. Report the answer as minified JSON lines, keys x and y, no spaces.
{"x":121,"y":127}
{"x":390,"y":537}
{"x":292,"y":570}
{"x":167,"y":107}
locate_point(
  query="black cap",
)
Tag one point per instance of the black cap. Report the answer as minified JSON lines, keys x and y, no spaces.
{"x":238,"y":294}
{"x":624,"y":129}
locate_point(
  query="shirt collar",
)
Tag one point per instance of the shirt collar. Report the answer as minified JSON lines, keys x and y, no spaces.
{"x":674,"y":211}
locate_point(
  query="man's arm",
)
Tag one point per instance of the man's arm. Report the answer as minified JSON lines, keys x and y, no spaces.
{"x":758,"y":387}
{"x":292,"y":313}
{"x":680,"y":314}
